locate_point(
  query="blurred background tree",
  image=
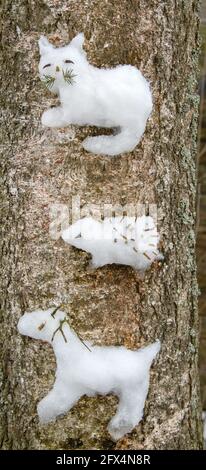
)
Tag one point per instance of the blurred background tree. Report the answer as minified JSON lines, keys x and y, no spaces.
{"x":201,"y":235}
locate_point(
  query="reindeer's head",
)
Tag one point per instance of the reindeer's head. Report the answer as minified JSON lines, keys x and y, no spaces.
{"x":63,"y":65}
{"x":41,"y":324}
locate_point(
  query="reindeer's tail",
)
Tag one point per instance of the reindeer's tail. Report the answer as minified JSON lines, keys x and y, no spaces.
{"x":150,"y":352}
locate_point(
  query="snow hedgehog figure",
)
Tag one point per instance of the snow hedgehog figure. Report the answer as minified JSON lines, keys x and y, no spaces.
{"x":117,"y":98}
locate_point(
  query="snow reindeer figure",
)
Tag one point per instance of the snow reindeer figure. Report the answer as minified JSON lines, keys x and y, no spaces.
{"x":83,"y":369}
{"x":117,"y":98}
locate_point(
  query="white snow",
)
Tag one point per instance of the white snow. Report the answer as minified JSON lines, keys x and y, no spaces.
{"x":118,"y":98}
{"x":97,"y":370}
{"x":121,"y":240}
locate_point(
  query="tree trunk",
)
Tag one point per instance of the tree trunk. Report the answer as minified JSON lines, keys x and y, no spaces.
{"x":40,"y":168}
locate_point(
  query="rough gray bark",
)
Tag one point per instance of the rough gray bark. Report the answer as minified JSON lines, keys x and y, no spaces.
{"x":39,"y":167}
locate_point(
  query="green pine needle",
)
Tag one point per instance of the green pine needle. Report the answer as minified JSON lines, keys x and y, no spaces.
{"x":48,"y":81}
{"x":69,"y":76}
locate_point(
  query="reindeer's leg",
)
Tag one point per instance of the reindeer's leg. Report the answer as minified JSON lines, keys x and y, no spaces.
{"x":124,"y":141}
{"x":57,"y":402}
{"x":54,"y":117}
{"x":130,"y":410}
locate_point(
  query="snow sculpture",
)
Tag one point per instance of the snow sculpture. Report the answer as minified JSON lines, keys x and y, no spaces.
{"x":122,"y":240}
{"x":118,"y":98}
{"x":83,"y":369}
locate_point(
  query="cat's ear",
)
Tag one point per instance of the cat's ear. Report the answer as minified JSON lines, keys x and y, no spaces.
{"x":44,"y":45}
{"x":78,"y":42}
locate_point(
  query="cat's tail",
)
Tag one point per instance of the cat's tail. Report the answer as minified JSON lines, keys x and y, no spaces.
{"x":124,"y":141}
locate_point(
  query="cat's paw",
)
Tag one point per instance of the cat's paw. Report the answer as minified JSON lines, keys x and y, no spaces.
{"x":47,"y":118}
{"x":53,"y":118}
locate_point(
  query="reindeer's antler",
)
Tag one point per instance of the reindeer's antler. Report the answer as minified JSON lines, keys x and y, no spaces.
{"x":60,"y":328}
{"x":61,"y":322}
{"x":55,"y":310}
{"x":82,"y":341}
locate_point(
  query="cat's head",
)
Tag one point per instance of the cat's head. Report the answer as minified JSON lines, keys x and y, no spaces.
{"x":61,"y":66}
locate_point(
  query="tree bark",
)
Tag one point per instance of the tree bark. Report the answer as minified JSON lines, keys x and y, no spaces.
{"x":111,"y":305}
